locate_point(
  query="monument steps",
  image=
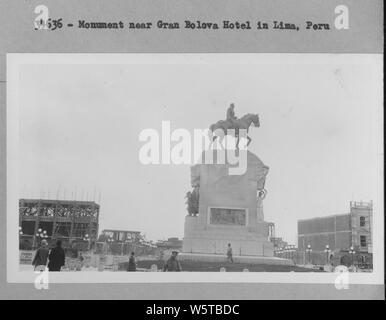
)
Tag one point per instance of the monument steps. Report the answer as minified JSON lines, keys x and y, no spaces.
{"x":221,"y":258}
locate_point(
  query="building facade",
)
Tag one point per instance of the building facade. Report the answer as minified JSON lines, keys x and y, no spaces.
{"x":74,"y":222}
{"x":123,"y":242}
{"x":332,"y":237}
{"x":170,"y":243}
{"x":119,"y":235}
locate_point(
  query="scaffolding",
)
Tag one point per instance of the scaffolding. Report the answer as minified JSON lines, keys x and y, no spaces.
{"x":76,"y":223}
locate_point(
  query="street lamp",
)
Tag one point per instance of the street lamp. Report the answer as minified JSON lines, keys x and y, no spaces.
{"x":291,"y":251}
{"x":352,"y":252}
{"x":110,"y":239}
{"x":42,"y":234}
{"x":309,"y":250}
{"x":123,"y":246}
{"x":327,"y":251}
{"x":20,"y":231}
{"x":294,"y":255}
{"x":88,"y":239}
{"x":285,"y":252}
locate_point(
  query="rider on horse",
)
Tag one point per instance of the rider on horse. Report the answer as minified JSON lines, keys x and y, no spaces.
{"x":231,"y":115}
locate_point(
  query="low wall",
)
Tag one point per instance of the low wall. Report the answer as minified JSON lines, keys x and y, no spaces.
{"x":237,"y":259}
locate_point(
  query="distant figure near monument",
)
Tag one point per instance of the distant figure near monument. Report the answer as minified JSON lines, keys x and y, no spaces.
{"x":172,"y":264}
{"x":229,"y":208}
{"x":230,"y":253}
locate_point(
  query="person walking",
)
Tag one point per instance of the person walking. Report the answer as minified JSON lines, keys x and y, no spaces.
{"x":132,"y":264}
{"x":172,"y":264}
{"x":41,"y":255}
{"x":56,"y":257}
{"x":229,"y":253}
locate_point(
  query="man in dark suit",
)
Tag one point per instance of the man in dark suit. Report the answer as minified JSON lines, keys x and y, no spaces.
{"x":56,"y":257}
{"x":172,"y":264}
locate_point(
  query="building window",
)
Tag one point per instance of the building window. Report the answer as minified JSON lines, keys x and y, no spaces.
{"x":108,"y":234}
{"x":362,"y":221}
{"x":121,"y":236}
{"x":363,"y":241}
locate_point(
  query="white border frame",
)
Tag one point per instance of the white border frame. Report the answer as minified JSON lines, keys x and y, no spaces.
{"x":14,"y":61}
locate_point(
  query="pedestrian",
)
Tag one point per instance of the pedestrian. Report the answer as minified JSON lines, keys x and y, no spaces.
{"x":81,"y":261}
{"x":229,"y":253}
{"x":56,"y":257}
{"x":41,"y":255}
{"x":173,"y":264}
{"x":332,"y":259}
{"x":132,"y":264}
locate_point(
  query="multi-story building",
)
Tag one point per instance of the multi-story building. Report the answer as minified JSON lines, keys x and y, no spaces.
{"x":171,"y":243}
{"x":73,"y":222}
{"x":122,"y":242}
{"x":336,"y":234}
{"x":278,"y":243}
{"x":119,"y":235}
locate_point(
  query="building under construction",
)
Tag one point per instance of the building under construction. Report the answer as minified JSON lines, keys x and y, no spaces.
{"x":73,"y":222}
{"x":123,"y":242}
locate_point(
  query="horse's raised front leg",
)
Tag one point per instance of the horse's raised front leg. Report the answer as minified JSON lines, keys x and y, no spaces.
{"x":249,"y":140}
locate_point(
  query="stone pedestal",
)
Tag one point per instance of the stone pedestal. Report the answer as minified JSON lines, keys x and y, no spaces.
{"x":230,"y":211}
{"x":214,"y":239}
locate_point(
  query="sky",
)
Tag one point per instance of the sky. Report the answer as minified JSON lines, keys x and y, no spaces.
{"x":320,"y":132}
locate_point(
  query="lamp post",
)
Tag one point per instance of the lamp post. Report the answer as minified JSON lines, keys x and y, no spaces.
{"x":41,"y":234}
{"x":20,"y":231}
{"x":293,"y":249}
{"x":309,"y":250}
{"x":352,"y":252}
{"x":294,"y":253}
{"x":88,"y":239}
{"x":110,"y":239}
{"x":327,"y":251}
{"x":127,"y":241}
{"x":289,"y":250}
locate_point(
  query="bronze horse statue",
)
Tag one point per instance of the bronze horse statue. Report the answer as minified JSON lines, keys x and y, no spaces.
{"x":242,"y":123}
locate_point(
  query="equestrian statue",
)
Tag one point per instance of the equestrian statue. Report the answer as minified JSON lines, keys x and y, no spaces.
{"x":233,"y":123}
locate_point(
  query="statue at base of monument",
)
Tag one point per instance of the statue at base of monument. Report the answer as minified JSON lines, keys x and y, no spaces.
{"x":192,"y":202}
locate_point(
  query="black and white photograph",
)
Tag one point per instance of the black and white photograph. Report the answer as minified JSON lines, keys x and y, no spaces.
{"x":205,"y":153}
{"x":197,"y":164}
